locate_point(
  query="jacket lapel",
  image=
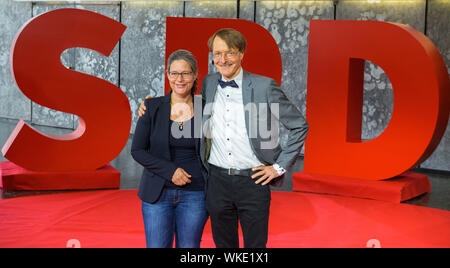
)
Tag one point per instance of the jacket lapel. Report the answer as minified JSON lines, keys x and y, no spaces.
{"x":212,"y":89}
{"x":247,"y":97}
{"x":210,"y":94}
{"x":197,"y":121}
{"x":164,"y":110}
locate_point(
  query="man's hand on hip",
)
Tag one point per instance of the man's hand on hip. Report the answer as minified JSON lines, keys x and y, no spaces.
{"x":266,"y":174}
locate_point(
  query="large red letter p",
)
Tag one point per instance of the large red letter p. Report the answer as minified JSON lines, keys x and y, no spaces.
{"x":261,"y":57}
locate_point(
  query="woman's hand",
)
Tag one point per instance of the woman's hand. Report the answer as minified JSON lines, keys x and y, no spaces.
{"x":181,"y":177}
{"x":142,"y":108}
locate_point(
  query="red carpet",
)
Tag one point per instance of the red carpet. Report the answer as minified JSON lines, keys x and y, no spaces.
{"x":14,"y":177}
{"x":112,"y":218}
{"x":401,"y":188}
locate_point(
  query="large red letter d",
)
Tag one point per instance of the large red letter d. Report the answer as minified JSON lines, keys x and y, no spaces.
{"x":337,"y":50}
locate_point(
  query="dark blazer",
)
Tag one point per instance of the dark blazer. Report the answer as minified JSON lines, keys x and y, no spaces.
{"x":150,"y":146}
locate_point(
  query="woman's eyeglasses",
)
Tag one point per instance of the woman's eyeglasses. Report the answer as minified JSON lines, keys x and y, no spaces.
{"x":184,"y":75}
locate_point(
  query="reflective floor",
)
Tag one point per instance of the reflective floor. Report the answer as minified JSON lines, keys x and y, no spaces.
{"x":131,"y":172}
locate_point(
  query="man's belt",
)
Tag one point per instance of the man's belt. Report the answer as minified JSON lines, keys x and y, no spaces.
{"x":232,"y":171}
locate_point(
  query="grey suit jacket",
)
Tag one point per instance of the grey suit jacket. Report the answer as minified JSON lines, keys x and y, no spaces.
{"x":265,"y":106}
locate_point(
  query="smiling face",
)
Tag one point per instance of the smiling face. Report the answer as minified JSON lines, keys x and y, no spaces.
{"x":181,"y":77}
{"x":227,"y":60}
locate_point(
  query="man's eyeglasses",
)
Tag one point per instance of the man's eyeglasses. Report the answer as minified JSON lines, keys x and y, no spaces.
{"x":184,"y":75}
{"x":227,"y":55}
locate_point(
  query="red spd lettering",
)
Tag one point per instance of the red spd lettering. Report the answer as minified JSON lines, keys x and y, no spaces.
{"x":103,"y":109}
{"x":337,"y":51}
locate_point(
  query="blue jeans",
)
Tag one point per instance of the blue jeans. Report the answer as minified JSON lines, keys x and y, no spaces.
{"x":177,"y":212}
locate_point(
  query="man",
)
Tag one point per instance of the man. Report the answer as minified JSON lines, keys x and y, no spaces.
{"x":241,"y":161}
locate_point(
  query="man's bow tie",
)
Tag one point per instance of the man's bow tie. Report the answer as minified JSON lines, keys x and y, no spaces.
{"x":231,"y":83}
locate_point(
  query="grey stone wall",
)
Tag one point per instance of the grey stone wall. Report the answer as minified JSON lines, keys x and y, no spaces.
{"x":13,"y":104}
{"x":143,"y":50}
{"x":137,"y":63}
{"x":438,"y":30}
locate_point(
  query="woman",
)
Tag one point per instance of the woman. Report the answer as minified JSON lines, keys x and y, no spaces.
{"x":173,"y":180}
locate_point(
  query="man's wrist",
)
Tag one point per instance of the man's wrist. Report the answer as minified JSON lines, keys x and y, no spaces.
{"x":279,"y":169}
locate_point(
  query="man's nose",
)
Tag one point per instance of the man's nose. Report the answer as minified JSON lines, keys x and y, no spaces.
{"x":222,"y":58}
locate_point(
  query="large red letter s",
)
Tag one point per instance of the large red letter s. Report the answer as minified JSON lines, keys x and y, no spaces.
{"x":337,"y":50}
{"x":103,"y":109}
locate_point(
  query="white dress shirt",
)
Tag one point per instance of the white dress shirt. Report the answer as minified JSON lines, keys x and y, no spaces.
{"x":230,"y":146}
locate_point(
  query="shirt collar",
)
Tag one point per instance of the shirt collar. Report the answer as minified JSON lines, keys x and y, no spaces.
{"x":238,"y":78}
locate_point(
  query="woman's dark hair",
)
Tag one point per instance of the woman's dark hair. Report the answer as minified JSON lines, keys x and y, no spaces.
{"x":187,"y":56}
